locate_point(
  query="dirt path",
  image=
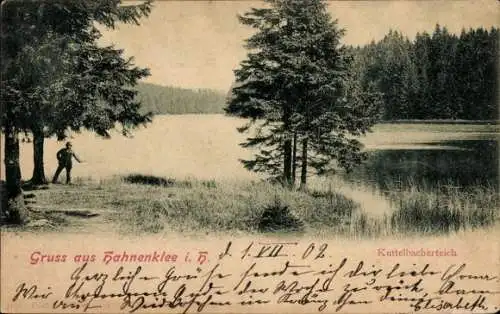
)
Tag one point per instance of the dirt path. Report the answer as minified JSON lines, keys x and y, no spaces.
{"x":101,"y":222}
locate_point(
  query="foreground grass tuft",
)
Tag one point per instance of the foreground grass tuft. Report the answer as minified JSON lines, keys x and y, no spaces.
{"x":277,"y":217}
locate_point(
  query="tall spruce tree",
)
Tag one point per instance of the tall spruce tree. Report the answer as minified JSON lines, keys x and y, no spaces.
{"x":421,"y":59}
{"x":55,"y":76}
{"x":296,"y":89}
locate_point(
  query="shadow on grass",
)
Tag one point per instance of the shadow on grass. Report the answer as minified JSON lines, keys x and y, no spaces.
{"x":165,"y":182}
{"x":39,"y":222}
{"x":30,"y":186}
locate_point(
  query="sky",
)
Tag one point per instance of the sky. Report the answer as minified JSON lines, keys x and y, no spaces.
{"x":197,"y":44}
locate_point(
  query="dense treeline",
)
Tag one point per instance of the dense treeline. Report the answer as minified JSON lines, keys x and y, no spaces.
{"x":435,"y":76}
{"x":175,"y":100}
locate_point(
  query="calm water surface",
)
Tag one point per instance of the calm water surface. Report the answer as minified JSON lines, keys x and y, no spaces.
{"x":460,"y":162}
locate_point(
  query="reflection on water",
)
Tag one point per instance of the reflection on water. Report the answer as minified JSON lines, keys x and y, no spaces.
{"x":458,"y":162}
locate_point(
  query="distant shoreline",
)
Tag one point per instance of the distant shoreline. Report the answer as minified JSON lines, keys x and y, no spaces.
{"x":442,"y":121}
{"x":400,"y":121}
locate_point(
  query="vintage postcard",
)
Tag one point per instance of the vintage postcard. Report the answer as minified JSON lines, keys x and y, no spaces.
{"x":277,"y":156}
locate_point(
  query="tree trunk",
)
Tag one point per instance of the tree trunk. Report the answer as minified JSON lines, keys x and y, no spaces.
{"x":38,"y":170}
{"x":294,"y":158}
{"x":287,"y":149}
{"x":16,"y":209}
{"x":287,"y":163}
{"x":303,"y":175}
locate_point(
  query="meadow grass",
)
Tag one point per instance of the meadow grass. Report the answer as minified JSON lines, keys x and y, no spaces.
{"x":156,"y":205}
{"x":162,"y":205}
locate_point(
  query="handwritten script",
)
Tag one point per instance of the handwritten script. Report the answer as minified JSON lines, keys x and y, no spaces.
{"x":257,"y":275}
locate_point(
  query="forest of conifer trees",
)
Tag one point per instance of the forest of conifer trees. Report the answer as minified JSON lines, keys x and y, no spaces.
{"x":435,"y":76}
{"x":175,"y":100}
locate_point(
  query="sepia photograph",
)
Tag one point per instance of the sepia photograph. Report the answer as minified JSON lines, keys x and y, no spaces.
{"x":274,"y":156}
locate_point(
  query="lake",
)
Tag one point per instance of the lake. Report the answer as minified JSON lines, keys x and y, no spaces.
{"x":206,"y":147}
{"x":458,"y":163}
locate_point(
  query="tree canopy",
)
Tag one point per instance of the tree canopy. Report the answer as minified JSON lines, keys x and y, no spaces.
{"x":54,"y":75}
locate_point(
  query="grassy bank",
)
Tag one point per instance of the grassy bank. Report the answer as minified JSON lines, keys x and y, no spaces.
{"x":139,"y":204}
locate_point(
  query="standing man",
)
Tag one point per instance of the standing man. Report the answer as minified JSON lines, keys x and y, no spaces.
{"x":65,"y":159}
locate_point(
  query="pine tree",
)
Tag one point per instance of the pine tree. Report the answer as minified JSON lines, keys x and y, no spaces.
{"x":293,"y":88}
{"x":422,"y":61}
{"x":443,"y":52}
{"x":395,"y":75}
